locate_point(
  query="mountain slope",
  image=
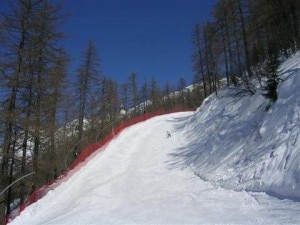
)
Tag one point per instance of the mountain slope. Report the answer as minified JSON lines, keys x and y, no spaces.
{"x":136,"y":181}
{"x":208,"y":171}
{"x":234,"y":142}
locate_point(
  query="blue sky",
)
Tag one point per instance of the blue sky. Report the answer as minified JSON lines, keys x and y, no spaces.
{"x":148,"y":37}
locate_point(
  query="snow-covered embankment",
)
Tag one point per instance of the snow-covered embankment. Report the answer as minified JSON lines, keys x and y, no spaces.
{"x":233,"y":141}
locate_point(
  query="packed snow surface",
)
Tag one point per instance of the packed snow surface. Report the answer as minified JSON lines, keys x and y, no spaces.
{"x":136,"y":180}
{"x":230,"y":162}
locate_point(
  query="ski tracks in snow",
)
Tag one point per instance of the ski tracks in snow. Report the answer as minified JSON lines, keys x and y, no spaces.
{"x":135,"y":181}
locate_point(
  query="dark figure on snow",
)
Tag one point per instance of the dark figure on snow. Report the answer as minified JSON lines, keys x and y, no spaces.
{"x":168,"y":134}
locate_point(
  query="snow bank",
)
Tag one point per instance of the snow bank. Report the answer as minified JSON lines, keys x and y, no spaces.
{"x":233,"y":141}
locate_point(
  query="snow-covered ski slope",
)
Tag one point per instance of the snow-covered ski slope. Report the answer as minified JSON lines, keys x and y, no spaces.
{"x":135,"y":181}
{"x":199,"y":175}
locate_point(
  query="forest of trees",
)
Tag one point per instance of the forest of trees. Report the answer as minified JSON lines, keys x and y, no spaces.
{"x":45,"y":115}
{"x":49,"y":115}
{"x":244,"y":41}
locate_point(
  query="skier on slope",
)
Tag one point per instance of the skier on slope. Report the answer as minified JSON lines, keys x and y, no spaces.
{"x":168,"y":134}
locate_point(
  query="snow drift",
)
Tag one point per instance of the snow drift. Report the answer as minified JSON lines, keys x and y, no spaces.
{"x":233,"y":141}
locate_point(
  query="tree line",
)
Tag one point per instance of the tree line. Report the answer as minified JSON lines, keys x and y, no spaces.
{"x":244,"y":41}
{"x":46,"y":117}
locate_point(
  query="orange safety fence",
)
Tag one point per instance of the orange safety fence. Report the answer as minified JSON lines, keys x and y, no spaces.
{"x":84,"y":157}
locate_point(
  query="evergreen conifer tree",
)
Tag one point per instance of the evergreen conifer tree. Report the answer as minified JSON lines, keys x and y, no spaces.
{"x":272,"y":66}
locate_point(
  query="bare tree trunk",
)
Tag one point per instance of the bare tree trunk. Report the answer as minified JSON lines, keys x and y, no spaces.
{"x":225,"y":55}
{"x":245,"y":39}
{"x":25,"y":139}
{"x":201,"y":60}
{"x":37,"y":127}
{"x":232,"y":76}
{"x":86,"y":75}
{"x":238,"y":53}
{"x":207,"y":61}
{"x":10,"y":176}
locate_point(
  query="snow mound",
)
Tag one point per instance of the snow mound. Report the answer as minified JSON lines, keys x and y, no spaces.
{"x":234,"y":142}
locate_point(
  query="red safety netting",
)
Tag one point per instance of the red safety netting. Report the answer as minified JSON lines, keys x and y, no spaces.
{"x":88,"y":153}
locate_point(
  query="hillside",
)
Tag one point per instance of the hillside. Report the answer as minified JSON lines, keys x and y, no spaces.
{"x":231,"y":161}
{"x":235,"y":142}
